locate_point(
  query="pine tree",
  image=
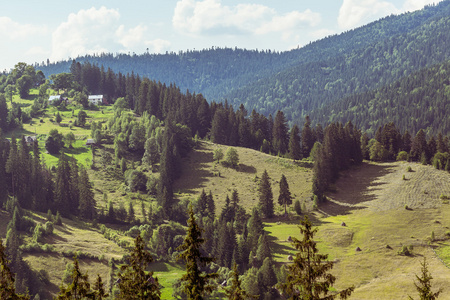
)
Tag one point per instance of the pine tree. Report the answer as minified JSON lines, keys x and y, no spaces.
{"x":87,"y":201}
{"x":235,"y":291}
{"x":285,"y":197}
{"x":307,"y":137}
{"x":308,"y":277}
{"x":196,"y":283}
{"x":295,"y":151}
{"x":134,"y":281}
{"x":7,"y":288}
{"x":423,"y":285}
{"x":255,"y":229}
{"x":266,"y":196}
{"x":280,"y":133}
{"x":79,"y":288}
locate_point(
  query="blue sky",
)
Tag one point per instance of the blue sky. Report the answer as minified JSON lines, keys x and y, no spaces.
{"x":34,"y":31}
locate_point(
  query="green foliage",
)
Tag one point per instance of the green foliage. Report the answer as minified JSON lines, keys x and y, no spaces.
{"x":54,"y":142}
{"x":218,"y":154}
{"x":285,"y":197}
{"x":232,"y":157}
{"x":7,"y":288}
{"x":134,"y":281}
{"x":423,"y":284}
{"x":308,"y":276}
{"x":266,"y":196}
{"x":297,"y":207}
{"x":196,"y":283}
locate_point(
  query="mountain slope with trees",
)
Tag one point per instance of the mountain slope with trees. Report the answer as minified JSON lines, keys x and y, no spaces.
{"x":299,"y":80}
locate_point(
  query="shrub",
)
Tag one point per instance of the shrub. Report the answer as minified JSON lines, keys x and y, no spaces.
{"x":48,"y":227}
{"x":297,"y":207}
{"x":443,"y":197}
{"x":409,"y":169}
{"x":404,"y":251}
{"x":404,"y":178}
{"x":402,"y":155}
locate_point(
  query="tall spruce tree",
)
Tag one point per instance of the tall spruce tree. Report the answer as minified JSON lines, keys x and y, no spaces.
{"x":235,"y":291}
{"x":285,"y":197}
{"x":266,"y":196}
{"x":308,"y":276}
{"x":134,"y":281}
{"x":87,"y":201}
{"x":196,"y":283}
{"x":295,"y":151}
{"x":280,"y":134}
{"x":7,"y":287}
{"x":80,"y":287}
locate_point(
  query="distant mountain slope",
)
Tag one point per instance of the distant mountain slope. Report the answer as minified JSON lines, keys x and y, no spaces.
{"x":305,"y":87}
{"x":419,"y":101}
{"x":303,"y":79}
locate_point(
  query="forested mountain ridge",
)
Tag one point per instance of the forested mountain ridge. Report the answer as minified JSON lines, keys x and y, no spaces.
{"x":305,"y":87}
{"x":300,"y":80}
{"x":419,"y":101}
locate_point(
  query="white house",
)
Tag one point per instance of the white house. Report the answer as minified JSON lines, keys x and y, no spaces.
{"x":53,"y":99}
{"x":95,"y":99}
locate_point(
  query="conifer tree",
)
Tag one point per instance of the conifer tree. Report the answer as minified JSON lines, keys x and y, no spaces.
{"x":99,"y":289}
{"x":80,"y":287}
{"x":211,"y":206}
{"x":295,"y":151}
{"x":285,"y":197}
{"x":236,"y":291}
{"x":134,"y":281}
{"x":266,"y":196}
{"x":308,"y":277}
{"x":255,"y":229}
{"x":7,"y":289}
{"x":87,"y":201}
{"x":423,"y":284}
{"x":196,"y":283}
{"x":280,"y":134}
{"x":307,"y":137}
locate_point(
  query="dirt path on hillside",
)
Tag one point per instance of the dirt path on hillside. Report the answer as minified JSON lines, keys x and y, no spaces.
{"x":380,"y":186}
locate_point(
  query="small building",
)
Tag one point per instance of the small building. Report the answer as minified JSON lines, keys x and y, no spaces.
{"x":90,"y":142}
{"x":30,"y":139}
{"x":54,"y":99}
{"x":95,"y":99}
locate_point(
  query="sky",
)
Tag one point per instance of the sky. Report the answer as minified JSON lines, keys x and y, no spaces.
{"x":33,"y":31}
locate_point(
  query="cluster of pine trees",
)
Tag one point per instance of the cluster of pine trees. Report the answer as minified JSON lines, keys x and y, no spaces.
{"x":25,"y":177}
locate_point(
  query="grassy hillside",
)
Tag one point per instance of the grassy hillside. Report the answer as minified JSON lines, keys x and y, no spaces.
{"x":372,"y":201}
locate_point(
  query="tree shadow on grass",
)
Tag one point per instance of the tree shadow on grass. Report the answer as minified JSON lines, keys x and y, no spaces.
{"x":246,"y":169}
{"x":195,"y":169}
{"x":355,"y":187}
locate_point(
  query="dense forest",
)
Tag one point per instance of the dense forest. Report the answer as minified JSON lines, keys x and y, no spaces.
{"x":299,"y":80}
{"x":418,"y":101}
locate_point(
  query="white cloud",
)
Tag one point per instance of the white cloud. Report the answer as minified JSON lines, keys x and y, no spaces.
{"x":411,"y":5}
{"x":158,"y":45}
{"x":15,"y":31}
{"x":98,"y":30}
{"x":211,"y":17}
{"x":355,"y":13}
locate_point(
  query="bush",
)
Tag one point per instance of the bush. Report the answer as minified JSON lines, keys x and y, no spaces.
{"x":409,"y":169}
{"x":402,"y":155}
{"x":297,"y":207}
{"x":404,"y":251}
{"x":48,"y":227}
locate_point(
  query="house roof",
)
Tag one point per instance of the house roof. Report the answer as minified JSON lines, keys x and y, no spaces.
{"x":57,"y":97}
{"x":95,"y":96}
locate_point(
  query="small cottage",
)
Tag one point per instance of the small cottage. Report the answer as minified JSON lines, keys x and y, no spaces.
{"x":95,"y":99}
{"x":52,"y":100}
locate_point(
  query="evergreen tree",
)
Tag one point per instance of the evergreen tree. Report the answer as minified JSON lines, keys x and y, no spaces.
{"x":196,"y":283}
{"x":266,"y":196}
{"x":255,"y":229}
{"x":423,"y":285}
{"x":211,"y":206}
{"x":285,"y":197}
{"x":307,"y":137}
{"x":7,"y":287}
{"x":295,"y":151}
{"x":235,"y":291}
{"x":232,"y":157}
{"x":280,"y":133}
{"x":134,"y":281}
{"x":308,"y":277}
{"x":79,"y":288}
{"x":87,"y":201}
